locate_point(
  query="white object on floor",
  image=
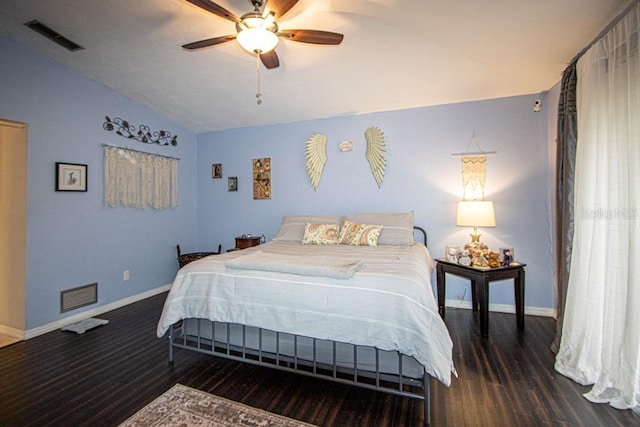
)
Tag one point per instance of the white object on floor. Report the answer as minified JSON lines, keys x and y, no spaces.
{"x":84,"y":325}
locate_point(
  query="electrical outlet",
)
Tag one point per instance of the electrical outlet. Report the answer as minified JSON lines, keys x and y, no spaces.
{"x":125,"y":275}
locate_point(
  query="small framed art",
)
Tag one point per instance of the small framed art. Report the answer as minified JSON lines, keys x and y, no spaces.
{"x":233,"y":183}
{"x":506,"y":256}
{"x":216,"y":170}
{"x":452,"y":253}
{"x":262,"y":178}
{"x":71,"y":177}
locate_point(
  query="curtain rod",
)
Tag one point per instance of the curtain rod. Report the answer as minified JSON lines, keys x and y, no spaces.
{"x":141,"y":152}
{"x":606,"y":29}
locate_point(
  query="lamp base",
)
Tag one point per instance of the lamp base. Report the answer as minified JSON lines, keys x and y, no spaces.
{"x":475,"y":243}
{"x":475,"y":246}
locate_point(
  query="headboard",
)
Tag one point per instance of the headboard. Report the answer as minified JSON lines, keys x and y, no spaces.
{"x":424,"y":233}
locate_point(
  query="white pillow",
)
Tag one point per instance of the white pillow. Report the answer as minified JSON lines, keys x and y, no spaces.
{"x":397,"y":228}
{"x":292,"y":226}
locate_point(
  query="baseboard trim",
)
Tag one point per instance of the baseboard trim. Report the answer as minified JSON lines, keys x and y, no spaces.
{"x":41,"y":330}
{"x":12,"y":332}
{"x":504,"y":308}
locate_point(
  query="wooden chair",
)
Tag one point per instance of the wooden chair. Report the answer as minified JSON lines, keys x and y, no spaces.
{"x":184,"y":259}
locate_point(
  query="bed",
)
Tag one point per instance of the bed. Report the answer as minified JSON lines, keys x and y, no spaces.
{"x":362,"y":314}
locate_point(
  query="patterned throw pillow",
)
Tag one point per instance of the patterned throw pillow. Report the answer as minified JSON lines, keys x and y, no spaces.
{"x":359,"y":234}
{"x":320,"y":234}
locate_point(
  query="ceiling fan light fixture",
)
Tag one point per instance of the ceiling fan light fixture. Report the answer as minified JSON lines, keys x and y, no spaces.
{"x":257,"y":40}
{"x":257,"y":34}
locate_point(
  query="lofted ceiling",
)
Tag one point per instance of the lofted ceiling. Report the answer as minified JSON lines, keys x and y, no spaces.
{"x":396,"y":54}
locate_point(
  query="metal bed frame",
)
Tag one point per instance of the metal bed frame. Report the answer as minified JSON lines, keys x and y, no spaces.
{"x":395,"y":384}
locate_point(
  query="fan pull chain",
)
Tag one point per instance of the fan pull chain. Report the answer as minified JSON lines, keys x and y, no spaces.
{"x":258,"y":93}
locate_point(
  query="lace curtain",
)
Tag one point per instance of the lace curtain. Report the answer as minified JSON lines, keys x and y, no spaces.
{"x":137,"y":179}
{"x":600,"y":342}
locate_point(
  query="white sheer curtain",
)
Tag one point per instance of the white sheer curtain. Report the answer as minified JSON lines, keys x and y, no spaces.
{"x":601,"y":335}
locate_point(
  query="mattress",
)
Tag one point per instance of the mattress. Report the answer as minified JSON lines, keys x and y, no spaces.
{"x":387,"y":304}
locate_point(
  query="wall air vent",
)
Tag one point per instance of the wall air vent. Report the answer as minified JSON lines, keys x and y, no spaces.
{"x":78,"y":297}
{"x":52,"y":35}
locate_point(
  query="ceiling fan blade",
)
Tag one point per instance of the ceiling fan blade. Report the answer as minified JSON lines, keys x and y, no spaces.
{"x":270,"y":59}
{"x":215,"y":9}
{"x":208,"y":42}
{"x":312,"y":36}
{"x":280,"y":7}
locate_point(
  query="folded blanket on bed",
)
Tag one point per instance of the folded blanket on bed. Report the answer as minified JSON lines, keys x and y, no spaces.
{"x":337,"y":268}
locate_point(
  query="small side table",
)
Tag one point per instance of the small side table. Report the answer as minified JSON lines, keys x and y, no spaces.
{"x":247,"y":242}
{"x":480,"y":279}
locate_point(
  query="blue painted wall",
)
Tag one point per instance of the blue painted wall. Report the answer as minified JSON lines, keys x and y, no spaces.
{"x":73,"y":238}
{"x":422,"y":175}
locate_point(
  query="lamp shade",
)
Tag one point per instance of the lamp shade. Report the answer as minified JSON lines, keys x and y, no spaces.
{"x":475,"y":213}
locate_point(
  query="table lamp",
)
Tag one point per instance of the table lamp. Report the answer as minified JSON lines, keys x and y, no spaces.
{"x":475,"y":213}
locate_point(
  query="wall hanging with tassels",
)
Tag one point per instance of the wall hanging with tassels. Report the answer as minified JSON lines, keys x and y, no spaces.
{"x":474,"y":165}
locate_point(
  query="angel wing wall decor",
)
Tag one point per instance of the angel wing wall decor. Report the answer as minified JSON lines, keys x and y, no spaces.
{"x":375,"y":153}
{"x":316,"y":156}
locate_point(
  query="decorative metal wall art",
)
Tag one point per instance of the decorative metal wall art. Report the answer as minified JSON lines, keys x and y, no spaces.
{"x":375,"y":153}
{"x":144,"y":134}
{"x":316,"y":156}
{"x":262,"y":178}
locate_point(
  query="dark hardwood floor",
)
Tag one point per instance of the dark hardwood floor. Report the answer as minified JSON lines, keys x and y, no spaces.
{"x":106,"y":375}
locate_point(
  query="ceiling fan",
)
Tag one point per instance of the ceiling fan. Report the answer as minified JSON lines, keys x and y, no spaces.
{"x":258,"y":31}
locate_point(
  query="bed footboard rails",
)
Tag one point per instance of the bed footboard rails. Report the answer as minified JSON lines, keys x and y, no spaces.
{"x":224,"y":346}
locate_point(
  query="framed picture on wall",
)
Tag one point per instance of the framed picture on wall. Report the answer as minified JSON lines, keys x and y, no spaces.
{"x":216,"y":170}
{"x":233,"y":183}
{"x":262,"y":178}
{"x":71,"y":177}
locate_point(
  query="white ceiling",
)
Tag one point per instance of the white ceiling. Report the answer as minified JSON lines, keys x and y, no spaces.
{"x":396,"y":53}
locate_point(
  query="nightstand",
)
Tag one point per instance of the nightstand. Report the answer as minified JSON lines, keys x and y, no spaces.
{"x":247,"y":242}
{"x":480,"y":279}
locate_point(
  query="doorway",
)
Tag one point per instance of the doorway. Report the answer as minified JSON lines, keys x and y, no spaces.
{"x":13,"y":228}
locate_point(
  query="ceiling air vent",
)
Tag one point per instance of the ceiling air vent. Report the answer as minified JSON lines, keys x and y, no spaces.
{"x":52,"y":35}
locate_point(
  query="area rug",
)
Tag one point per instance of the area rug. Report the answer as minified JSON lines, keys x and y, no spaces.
{"x":185,"y":406}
